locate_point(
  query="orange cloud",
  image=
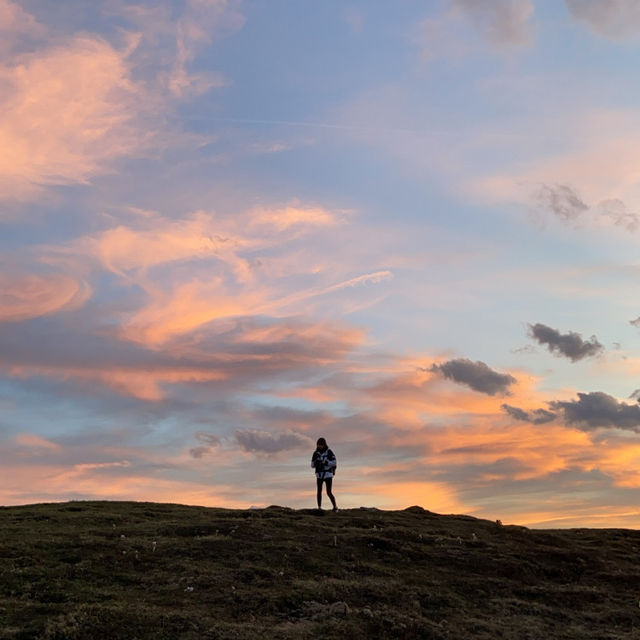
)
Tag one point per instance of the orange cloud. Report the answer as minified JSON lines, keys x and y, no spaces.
{"x":36,"y":443}
{"x":619,"y":458}
{"x":243,"y":354}
{"x":30,"y":296}
{"x":158,"y":240}
{"x":435,"y":496}
{"x":67,"y":112}
{"x":123,"y":248}
{"x":188,"y":307}
{"x":291,"y":216}
{"x":140,"y":382}
{"x":108,"y":481}
{"x":70,"y":111}
{"x":539,"y":451}
{"x":408,"y":393}
{"x":227,"y":275}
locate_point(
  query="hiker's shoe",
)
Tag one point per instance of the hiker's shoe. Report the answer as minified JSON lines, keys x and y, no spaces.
{"x":335,"y":509}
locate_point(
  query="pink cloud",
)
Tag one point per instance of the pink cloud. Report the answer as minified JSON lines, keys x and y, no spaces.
{"x":156,"y":240}
{"x":68,"y":113}
{"x":597,"y":164}
{"x":108,"y":481}
{"x":187,"y":307}
{"x":29,"y":295}
{"x":235,"y":358}
{"x":216,"y":268}
{"x":71,"y":110}
{"x":15,"y":21}
{"x":195,"y":28}
{"x":290,"y":216}
{"x":36,"y":443}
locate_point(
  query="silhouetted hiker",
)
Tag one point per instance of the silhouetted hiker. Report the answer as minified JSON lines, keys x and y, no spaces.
{"x":324,"y":462}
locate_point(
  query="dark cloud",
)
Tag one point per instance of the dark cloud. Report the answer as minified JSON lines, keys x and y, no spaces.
{"x":198,"y":452}
{"x":476,"y":375}
{"x":569,"y":344}
{"x":618,"y":213}
{"x":597,"y":409}
{"x":505,"y":23}
{"x":635,"y":395}
{"x":526,"y":349}
{"x":561,"y":200}
{"x":257,"y":441}
{"x":565,"y":204}
{"x":209,"y":442}
{"x":208,"y":439}
{"x":615,"y":20}
{"x":636,"y":322}
{"x":537,"y":416}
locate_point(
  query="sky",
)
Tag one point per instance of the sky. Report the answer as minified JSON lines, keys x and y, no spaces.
{"x":230,"y":227}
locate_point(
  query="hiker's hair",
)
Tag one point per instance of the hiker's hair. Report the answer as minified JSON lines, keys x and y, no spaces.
{"x":321,"y":441}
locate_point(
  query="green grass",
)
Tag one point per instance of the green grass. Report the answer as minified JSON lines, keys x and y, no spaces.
{"x":123,"y":570}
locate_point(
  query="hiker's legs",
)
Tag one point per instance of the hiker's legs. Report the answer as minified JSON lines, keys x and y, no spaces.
{"x":319,"y":495}
{"x":329,"y":482}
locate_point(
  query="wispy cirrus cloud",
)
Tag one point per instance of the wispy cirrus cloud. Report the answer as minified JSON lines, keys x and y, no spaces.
{"x":68,"y":112}
{"x":196,"y":27}
{"x":30,"y":295}
{"x":74,"y":107}
{"x":35,"y":443}
{"x":198,"y":300}
{"x":206,"y":268}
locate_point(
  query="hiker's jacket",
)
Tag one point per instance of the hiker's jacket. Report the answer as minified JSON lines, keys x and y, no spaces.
{"x":328,"y":463}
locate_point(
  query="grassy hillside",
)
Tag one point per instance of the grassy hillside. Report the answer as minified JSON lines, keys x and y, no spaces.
{"x":101,"y":570}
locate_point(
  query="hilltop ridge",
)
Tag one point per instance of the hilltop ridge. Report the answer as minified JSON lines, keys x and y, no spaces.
{"x":116,"y":570}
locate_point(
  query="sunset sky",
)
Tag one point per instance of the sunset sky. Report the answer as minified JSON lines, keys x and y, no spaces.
{"x":230,"y":227}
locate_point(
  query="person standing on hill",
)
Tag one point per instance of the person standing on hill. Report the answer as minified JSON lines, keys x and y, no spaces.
{"x":324,"y":462}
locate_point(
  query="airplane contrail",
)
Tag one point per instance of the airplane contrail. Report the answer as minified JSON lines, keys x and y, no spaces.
{"x":351,"y":127}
